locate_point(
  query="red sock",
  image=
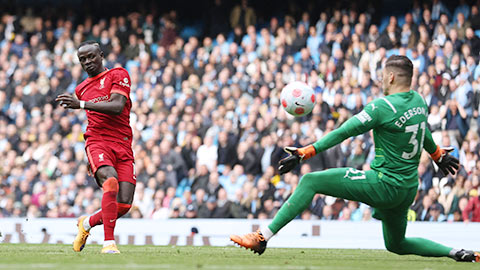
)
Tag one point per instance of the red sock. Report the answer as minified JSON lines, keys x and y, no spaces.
{"x":109,"y":207}
{"x":96,"y":219}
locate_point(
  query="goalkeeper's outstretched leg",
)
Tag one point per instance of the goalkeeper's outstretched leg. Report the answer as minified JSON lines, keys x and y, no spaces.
{"x":391,"y":205}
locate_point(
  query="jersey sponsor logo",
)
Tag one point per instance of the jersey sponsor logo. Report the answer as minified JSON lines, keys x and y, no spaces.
{"x":373,"y":107}
{"x":363,"y":116}
{"x":100,"y":99}
{"x":124,"y":83}
{"x":100,"y":157}
{"x":102,"y":83}
{"x":409,"y":114}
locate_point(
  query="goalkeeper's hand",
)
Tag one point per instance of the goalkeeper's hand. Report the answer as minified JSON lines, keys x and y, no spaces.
{"x":296,"y":155}
{"x":446,"y":162}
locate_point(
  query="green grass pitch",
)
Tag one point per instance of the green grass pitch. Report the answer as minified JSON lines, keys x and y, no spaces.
{"x":31,"y":256}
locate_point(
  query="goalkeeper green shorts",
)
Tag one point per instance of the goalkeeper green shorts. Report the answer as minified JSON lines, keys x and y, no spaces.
{"x":364,"y":186}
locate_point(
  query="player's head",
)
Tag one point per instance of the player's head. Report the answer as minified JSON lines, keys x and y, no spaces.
{"x":90,"y":56}
{"x":397,"y":73}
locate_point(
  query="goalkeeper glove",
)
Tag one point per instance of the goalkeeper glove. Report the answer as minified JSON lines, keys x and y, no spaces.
{"x":444,"y":160}
{"x":296,"y":155}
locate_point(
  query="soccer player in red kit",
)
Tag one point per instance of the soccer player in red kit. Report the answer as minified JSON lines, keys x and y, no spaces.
{"x":104,"y":95}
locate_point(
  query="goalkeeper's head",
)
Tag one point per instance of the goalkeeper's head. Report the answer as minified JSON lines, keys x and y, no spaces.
{"x":397,"y":74}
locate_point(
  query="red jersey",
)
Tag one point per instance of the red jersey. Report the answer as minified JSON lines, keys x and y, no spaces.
{"x":103,"y":126}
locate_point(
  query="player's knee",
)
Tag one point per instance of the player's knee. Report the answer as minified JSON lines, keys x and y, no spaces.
{"x":111,"y":184}
{"x":104,"y":173}
{"x":123,"y":208}
{"x":395,"y":248}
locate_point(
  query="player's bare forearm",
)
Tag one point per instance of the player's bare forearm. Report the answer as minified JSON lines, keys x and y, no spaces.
{"x":114,"y":106}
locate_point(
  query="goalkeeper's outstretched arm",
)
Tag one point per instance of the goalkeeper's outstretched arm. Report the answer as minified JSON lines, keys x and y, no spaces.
{"x":350,"y":128}
{"x":359,"y":124}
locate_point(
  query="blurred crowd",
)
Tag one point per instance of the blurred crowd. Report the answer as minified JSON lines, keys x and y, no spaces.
{"x":208,"y":128}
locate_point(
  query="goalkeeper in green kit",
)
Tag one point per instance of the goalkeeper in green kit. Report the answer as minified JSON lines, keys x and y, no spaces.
{"x":400,"y":134}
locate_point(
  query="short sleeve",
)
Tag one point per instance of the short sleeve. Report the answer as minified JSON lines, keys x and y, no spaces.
{"x":77,"y":94}
{"x":121,"y":83}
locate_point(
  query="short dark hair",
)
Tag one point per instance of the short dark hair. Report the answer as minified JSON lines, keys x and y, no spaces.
{"x":402,"y":66}
{"x":88,"y":42}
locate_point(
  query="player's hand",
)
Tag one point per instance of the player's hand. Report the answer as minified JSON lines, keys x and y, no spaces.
{"x":289,"y":163}
{"x":296,"y":155}
{"x":89,"y":170}
{"x":446,"y":162}
{"x":68,"y":101}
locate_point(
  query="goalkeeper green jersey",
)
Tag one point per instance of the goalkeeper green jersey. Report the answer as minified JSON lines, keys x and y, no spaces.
{"x":399,"y":124}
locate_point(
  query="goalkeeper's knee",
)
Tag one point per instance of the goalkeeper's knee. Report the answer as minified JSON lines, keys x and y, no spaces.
{"x":395,"y":247}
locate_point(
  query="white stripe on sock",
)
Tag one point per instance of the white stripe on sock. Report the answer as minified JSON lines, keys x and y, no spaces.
{"x":86,"y":224}
{"x":267,"y":233}
{"x":108,"y":243}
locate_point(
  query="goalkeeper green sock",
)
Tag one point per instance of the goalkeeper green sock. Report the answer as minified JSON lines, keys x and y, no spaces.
{"x":425,"y":247}
{"x":299,"y":201}
{"x":419,"y":246}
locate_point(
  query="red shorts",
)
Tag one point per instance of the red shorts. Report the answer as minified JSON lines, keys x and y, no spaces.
{"x":119,"y":156}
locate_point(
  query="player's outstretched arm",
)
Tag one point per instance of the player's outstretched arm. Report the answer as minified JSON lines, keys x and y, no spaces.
{"x":113,"y":106}
{"x":359,"y":124}
{"x":446,"y":162}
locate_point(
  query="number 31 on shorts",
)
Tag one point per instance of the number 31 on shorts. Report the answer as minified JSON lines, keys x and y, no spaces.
{"x":354,"y":174}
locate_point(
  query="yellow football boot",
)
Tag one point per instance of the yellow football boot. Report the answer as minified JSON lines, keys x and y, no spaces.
{"x":82,"y":235}
{"x":110,"y":249}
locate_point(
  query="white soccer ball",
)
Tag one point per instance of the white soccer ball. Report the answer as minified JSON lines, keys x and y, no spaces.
{"x":297,"y":98}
